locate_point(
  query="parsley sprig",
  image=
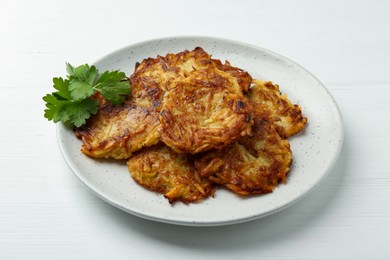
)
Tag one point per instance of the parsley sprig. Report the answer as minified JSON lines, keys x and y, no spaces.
{"x":72,"y":102}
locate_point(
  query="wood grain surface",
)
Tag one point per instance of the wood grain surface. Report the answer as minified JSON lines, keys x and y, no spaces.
{"x":46,"y":213}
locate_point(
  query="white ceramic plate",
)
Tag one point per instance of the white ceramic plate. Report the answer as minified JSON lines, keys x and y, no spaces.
{"x":315,"y":150}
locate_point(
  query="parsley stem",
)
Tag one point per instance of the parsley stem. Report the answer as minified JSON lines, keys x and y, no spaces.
{"x":95,"y":87}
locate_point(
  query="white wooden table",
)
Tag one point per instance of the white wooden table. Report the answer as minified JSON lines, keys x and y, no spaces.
{"x":46,"y":213}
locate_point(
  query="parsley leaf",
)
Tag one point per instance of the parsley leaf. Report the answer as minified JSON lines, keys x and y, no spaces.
{"x":78,"y":112}
{"x":54,"y":106}
{"x":80,"y":90}
{"x":81,"y":80}
{"x":72,"y":102}
{"x":62,"y":86}
{"x":112,"y":87}
{"x":83,"y":73}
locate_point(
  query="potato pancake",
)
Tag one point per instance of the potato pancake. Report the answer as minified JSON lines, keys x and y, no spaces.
{"x":257,"y":164}
{"x":200,"y":100}
{"x":268,"y":100}
{"x":118,"y":131}
{"x":199,"y":117}
{"x":154,"y":76}
{"x":242,"y":77}
{"x":253,"y":165}
{"x":160,"y":169}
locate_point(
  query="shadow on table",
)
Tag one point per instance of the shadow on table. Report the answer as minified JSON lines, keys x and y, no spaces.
{"x":261,"y":233}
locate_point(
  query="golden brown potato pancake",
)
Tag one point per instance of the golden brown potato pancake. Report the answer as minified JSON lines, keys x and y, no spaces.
{"x":153,"y":76}
{"x":160,"y":169}
{"x":118,"y":131}
{"x":269,"y":101}
{"x":203,"y":113}
{"x":257,"y":164}
{"x":253,"y":165}
{"x":242,"y":77}
{"x":200,"y":100}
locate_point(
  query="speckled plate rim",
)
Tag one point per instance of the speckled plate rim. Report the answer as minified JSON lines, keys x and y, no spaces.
{"x":205,"y":222}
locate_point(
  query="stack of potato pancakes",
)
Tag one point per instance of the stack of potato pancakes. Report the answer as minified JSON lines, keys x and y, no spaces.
{"x":193,"y":123}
